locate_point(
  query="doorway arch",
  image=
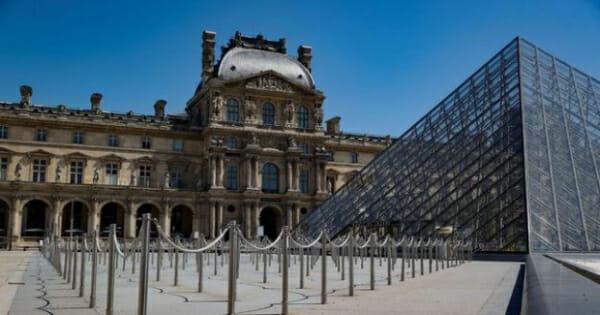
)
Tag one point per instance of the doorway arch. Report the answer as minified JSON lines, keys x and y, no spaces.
{"x":271,"y":221}
{"x":181,"y":221}
{"x":112,"y":213}
{"x":3,"y":224}
{"x":143,"y":209}
{"x":80,"y":218}
{"x":35,"y":218}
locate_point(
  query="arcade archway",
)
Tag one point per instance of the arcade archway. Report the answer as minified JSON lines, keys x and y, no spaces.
{"x":271,"y":221}
{"x":181,"y":221}
{"x":112,"y":213}
{"x":79,"y":212}
{"x":143,"y":209}
{"x":3,"y":224}
{"x":34,"y":220}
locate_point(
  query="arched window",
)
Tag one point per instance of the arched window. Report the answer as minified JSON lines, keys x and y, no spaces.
{"x":270,"y":178}
{"x":268,"y":114}
{"x":302,"y":117}
{"x":233,"y":110}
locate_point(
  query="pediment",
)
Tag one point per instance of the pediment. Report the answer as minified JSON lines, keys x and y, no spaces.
{"x":76,"y":156}
{"x":112,"y":157}
{"x":270,"y":81}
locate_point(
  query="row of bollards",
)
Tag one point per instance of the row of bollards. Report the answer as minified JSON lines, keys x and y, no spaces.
{"x":345,"y":252}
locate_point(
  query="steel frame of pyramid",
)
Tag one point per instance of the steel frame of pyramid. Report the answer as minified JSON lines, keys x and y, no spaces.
{"x":509,"y":160}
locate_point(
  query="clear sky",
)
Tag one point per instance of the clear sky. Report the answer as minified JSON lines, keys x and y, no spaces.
{"x":381,"y":64}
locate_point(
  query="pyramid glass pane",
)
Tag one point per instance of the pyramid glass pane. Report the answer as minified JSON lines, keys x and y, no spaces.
{"x":508,"y":160}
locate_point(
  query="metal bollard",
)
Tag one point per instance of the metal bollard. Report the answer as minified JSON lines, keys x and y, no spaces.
{"x":372,"y":263}
{"x":301,"y":269}
{"x":82,"y":268}
{"x":176,"y":273}
{"x":389,"y":261}
{"x":323,"y":268}
{"x":430,"y":254}
{"x":284,"y":286}
{"x":403,"y":266}
{"x":421,"y":254}
{"x":343,"y":263}
{"x":158,"y":259}
{"x":200,"y":263}
{"x":110,"y":289}
{"x":231,"y":277}
{"x":412,"y":258}
{"x":74,"y":267}
{"x":351,"y":266}
{"x":67,"y":261}
{"x":215,"y":256}
{"x":143,"y":280}
{"x":265,"y":266}
{"x":94,"y":270}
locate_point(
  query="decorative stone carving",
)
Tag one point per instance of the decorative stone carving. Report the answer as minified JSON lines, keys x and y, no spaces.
{"x":133,"y":178}
{"x":253,"y":140}
{"x":292,"y":142}
{"x":95,"y":100}
{"x":58,"y":176}
{"x":318,"y":116}
{"x":250,"y":110}
{"x":18,"y":170}
{"x":217,"y":106}
{"x":96,"y":177}
{"x":216,"y":141}
{"x":167,"y":179}
{"x":26,"y":93}
{"x":288,"y":112}
{"x":269,"y":82}
{"x":159,"y":109}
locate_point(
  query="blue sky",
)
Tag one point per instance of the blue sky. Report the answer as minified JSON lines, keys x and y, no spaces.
{"x":381,"y":64}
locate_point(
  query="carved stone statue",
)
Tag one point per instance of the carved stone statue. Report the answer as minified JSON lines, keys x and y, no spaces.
{"x":318,"y":116}
{"x":167,"y":179}
{"x":250,"y":109}
{"x":216,"y":141}
{"x":253,"y":139}
{"x":96,"y":176}
{"x":26,"y":93}
{"x":292,"y":142}
{"x":18,"y":170}
{"x":58,"y":175}
{"x":217,"y":107}
{"x":133,"y":179}
{"x":289,"y":112}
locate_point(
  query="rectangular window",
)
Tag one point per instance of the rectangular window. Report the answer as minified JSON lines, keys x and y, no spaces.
{"x":178,"y":145}
{"x":3,"y":168}
{"x":304,"y":181}
{"x":146,"y":142}
{"x":305,"y":148}
{"x":232,"y":143}
{"x":145,"y":175}
{"x":176,"y":180}
{"x":39,"y":170}
{"x":112,"y":173}
{"x":113,"y":140}
{"x":78,"y":137}
{"x":76,"y":172}
{"x":3,"y":132}
{"x":41,"y":134}
{"x":231,"y":180}
{"x":354,"y":157}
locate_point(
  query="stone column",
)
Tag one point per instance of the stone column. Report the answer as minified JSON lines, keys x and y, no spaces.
{"x":323,"y":178}
{"x":211,"y":218}
{"x":130,"y":225}
{"x":196,"y":227}
{"x":255,"y":182}
{"x":296,"y":175}
{"x":219,"y":216}
{"x":213,"y":171}
{"x":15,"y":220}
{"x":93,"y":216}
{"x":290,"y":176}
{"x":288,"y":215}
{"x":248,"y":220}
{"x":296,"y":214}
{"x":57,"y":214}
{"x":221,"y":172}
{"x":249,"y":173}
{"x":318,"y":177}
{"x":255,"y":219}
{"x":165,"y":219}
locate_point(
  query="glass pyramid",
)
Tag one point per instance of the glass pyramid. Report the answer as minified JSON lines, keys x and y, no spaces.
{"x":509,"y":160}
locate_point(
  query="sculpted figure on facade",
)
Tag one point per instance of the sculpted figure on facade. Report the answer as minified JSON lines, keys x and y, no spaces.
{"x":217,"y":106}
{"x":133,"y":179}
{"x":58,"y":175}
{"x":250,"y":110}
{"x":167,"y":179}
{"x":96,"y":176}
{"x":253,"y":139}
{"x":292,"y":142}
{"x":318,"y":116}
{"x":288,"y":112}
{"x":18,"y":170}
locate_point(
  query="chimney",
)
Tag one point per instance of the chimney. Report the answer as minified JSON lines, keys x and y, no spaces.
{"x":159,"y":109}
{"x":95,"y":100}
{"x":333,"y":125}
{"x":208,"y":54}
{"x":26,"y":93}
{"x":305,"y":56}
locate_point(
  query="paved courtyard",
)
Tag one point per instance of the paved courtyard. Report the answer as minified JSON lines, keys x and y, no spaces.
{"x":472,"y":288}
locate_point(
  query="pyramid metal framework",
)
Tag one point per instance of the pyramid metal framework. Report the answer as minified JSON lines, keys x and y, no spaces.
{"x":509,"y":160}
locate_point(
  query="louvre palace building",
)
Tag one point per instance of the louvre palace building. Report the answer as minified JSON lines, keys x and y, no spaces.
{"x":250,"y":147}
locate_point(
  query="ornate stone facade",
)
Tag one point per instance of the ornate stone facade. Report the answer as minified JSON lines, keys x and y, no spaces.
{"x":250,"y":147}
